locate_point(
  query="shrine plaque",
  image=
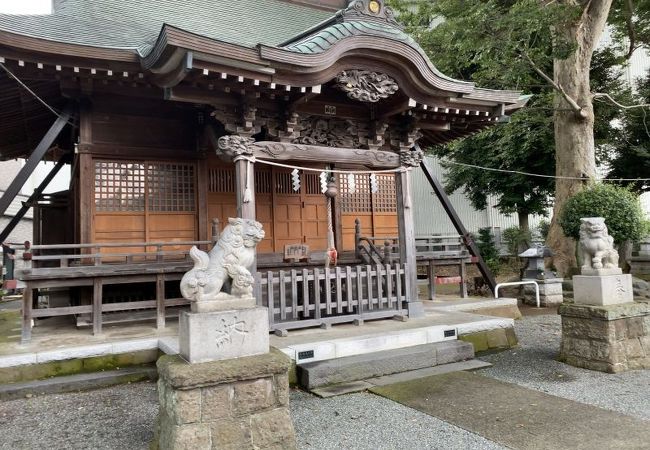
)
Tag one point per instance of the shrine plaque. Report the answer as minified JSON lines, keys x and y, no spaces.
{"x":296,"y":252}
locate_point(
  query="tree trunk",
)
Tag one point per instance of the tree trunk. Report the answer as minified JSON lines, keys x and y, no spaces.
{"x":574,"y":131}
{"x":522,"y":217}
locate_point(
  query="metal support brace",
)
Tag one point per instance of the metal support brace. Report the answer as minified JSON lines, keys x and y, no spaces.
{"x":34,"y":159}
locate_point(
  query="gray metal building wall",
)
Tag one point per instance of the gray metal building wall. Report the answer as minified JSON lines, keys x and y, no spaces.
{"x":430,"y":217}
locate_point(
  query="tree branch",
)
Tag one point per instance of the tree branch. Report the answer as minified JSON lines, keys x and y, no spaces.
{"x":629,"y":12}
{"x":598,"y":95}
{"x":574,"y":106}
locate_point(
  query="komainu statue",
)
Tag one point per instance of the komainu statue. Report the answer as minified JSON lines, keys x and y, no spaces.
{"x":227,"y":265}
{"x":596,"y":245}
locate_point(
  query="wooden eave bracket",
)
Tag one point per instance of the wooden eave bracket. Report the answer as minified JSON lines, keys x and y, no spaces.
{"x":171,"y":75}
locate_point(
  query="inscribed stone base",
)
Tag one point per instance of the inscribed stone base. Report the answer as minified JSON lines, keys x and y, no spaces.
{"x":550,"y":292}
{"x":610,"y":339}
{"x":602,"y":290}
{"x":213,"y":336}
{"x":231,"y":404}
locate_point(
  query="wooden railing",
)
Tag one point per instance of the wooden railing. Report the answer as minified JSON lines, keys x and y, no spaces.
{"x":99,"y":253}
{"x":311,"y":297}
{"x":440,"y":246}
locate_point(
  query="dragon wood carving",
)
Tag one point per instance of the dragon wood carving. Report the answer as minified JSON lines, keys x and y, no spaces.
{"x":366,"y":86}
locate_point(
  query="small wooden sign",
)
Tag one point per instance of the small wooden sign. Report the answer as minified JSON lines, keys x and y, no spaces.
{"x":296,"y":252}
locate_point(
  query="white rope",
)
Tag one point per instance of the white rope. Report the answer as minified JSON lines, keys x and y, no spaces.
{"x":312,"y":169}
{"x":490,"y":169}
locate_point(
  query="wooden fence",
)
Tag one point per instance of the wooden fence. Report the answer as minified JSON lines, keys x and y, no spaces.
{"x":313,"y":296}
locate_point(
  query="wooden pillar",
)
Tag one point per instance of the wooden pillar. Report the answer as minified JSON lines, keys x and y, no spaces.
{"x":245,"y":178}
{"x":97,"y":306}
{"x":407,"y":241}
{"x":26,"y":335}
{"x":239,"y":148}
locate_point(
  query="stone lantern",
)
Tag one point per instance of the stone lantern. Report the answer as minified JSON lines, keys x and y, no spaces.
{"x":550,"y":286}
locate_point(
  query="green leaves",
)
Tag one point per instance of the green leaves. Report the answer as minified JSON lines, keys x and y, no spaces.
{"x":619,"y":206}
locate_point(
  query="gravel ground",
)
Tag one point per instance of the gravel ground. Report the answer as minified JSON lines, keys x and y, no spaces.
{"x":122,"y":417}
{"x":119,"y":417}
{"x":533,"y":365}
{"x":366,"y":421}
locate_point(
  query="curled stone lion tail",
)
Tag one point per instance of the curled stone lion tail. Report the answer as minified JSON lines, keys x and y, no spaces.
{"x":201,"y":258}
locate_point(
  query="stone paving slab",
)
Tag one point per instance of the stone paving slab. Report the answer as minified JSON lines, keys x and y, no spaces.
{"x":518,"y":417}
{"x":78,"y":382}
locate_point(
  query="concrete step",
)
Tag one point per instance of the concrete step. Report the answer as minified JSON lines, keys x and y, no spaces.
{"x":358,"y":386}
{"x":78,"y":382}
{"x":372,"y":365}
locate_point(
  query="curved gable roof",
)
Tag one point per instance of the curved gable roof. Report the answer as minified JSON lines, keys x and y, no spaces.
{"x":135,"y":24}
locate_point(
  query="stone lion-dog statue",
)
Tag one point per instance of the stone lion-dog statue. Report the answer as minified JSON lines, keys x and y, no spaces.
{"x":226,"y":264}
{"x":596,"y":245}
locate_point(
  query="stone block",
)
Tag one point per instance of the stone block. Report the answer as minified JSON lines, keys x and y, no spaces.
{"x":602,"y":290}
{"x":184,"y":437}
{"x":252,"y":396}
{"x":282,"y":390}
{"x":453,"y":351}
{"x":216,"y":402}
{"x":478,"y":340}
{"x":635,"y":327}
{"x":272,"y":428}
{"x":230,"y":434}
{"x":183,"y":406}
{"x":633,"y":348}
{"x":497,"y":338}
{"x":214,"y":336}
{"x":512,"y":337}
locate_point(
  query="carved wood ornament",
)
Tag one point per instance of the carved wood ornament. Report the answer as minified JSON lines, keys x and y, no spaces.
{"x":328,"y":132}
{"x":366,"y":86}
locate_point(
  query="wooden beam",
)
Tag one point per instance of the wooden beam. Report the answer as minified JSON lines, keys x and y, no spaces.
{"x":177,"y":74}
{"x":34,"y":197}
{"x":396,"y":109}
{"x":35,"y":158}
{"x":314,"y":153}
{"x":433,"y":126}
{"x":458,"y":224}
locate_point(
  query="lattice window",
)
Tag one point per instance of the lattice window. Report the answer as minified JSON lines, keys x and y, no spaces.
{"x":129,"y":186}
{"x":284,"y":184}
{"x":221,"y":180}
{"x":119,"y":186}
{"x":171,"y":187}
{"x":358,"y":201}
{"x":312,"y":183}
{"x":263,"y":181}
{"x":385,"y":199}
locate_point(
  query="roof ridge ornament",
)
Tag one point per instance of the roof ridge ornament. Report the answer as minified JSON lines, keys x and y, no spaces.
{"x":370,"y":9}
{"x":366,"y":86}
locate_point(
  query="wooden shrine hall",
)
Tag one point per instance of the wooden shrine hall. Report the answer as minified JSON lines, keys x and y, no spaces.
{"x":307,"y":116}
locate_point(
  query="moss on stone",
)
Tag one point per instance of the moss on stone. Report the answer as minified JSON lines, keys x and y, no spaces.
{"x":51,"y":369}
{"x":478,"y":340}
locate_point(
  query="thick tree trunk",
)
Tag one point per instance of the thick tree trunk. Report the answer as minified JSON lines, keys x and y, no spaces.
{"x":574,"y":131}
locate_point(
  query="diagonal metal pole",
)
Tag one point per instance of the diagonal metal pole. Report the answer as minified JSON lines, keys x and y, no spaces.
{"x":34,"y":159}
{"x":33,"y":198}
{"x":458,"y":224}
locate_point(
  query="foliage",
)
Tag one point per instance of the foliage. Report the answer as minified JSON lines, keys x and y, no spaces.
{"x":489,"y":41}
{"x":619,"y":206}
{"x":488,"y":249}
{"x":515,"y":239}
{"x":542,"y":228}
{"x":630,"y":152}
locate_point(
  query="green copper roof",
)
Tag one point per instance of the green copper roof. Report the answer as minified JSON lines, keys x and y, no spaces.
{"x":136,"y":24}
{"x":324,"y":39}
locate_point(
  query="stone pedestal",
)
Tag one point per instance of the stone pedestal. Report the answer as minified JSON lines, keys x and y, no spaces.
{"x":550,"y":291}
{"x":612,"y":338}
{"x":236,"y":403}
{"x":601,"y":290}
{"x":212,"y":336}
{"x":640,"y":264}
